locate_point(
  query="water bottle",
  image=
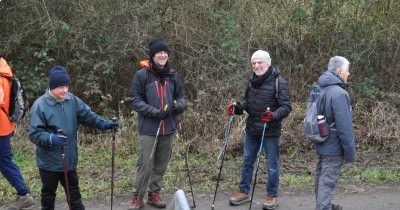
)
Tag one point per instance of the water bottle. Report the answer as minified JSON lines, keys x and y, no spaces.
{"x":323,"y":126}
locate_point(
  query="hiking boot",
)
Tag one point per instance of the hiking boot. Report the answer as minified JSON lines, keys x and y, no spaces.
{"x":136,"y":203}
{"x":25,"y":202}
{"x":239,"y":198}
{"x":270,"y":203}
{"x":154,"y":199}
{"x":336,"y":207}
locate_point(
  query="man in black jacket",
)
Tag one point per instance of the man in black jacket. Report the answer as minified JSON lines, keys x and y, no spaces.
{"x":158,"y":97}
{"x":266,"y":89}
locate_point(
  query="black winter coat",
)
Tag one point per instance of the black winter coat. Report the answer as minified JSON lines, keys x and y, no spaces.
{"x":257,"y":99}
{"x":149,"y":96}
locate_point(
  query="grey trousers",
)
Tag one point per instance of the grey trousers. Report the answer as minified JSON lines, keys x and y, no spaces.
{"x":150,"y":173}
{"x":326,"y":177}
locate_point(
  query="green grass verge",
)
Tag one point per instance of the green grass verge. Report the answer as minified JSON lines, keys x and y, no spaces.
{"x":94,"y":169}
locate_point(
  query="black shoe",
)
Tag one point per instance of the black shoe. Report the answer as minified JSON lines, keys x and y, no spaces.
{"x":336,"y":207}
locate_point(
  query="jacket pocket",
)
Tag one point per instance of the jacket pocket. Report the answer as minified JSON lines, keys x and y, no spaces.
{"x":150,"y":125}
{"x":50,"y":158}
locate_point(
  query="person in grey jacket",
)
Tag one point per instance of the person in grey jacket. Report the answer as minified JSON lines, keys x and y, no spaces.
{"x":54,"y":119}
{"x":339,"y":148}
{"x":158,"y":96}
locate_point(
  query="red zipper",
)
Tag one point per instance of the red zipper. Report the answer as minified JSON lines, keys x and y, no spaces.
{"x":161,"y":93}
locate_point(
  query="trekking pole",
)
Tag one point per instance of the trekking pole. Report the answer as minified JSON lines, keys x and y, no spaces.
{"x":114,"y":119}
{"x":179,"y":127}
{"x":153,"y":150}
{"x":222,"y":154}
{"x":258,"y":163}
{"x":188,"y":173}
{"x":61,"y":132}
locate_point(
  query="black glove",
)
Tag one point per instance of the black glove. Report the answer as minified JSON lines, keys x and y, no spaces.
{"x":162,"y":114}
{"x":178,"y":108}
{"x":109,"y":124}
{"x":238,"y":108}
{"x":58,"y":140}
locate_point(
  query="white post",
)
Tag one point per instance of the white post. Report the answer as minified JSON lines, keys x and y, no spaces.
{"x":179,"y":202}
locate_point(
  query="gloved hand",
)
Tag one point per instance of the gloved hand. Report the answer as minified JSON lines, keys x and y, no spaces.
{"x":234,"y":108}
{"x":109,"y":124}
{"x":230,"y":109}
{"x":58,"y":139}
{"x":267,"y":116}
{"x":162,"y":114}
{"x":238,"y":109}
{"x":178,"y":108}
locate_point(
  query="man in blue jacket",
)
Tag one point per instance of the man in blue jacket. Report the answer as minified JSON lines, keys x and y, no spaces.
{"x":54,"y":120}
{"x":340,"y":146}
{"x":155,"y":87}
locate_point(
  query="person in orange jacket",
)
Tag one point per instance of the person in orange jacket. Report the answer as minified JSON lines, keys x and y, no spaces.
{"x":8,"y":167}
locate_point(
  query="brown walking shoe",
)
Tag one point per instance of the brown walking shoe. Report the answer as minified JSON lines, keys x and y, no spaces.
{"x":155,"y":200}
{"x":270,"y":203}
{"x":136,"y":203}
{"x":239,"y":198}
{"x":25,"y":202}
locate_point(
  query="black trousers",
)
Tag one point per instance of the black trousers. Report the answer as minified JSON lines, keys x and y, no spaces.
{"x":49,"y":187}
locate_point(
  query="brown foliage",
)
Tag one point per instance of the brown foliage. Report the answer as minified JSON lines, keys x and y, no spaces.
{"x":101,"y":43}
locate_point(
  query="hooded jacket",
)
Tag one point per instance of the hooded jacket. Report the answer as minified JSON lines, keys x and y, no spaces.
{"x":46,"y":116}
{"x":337,"y":109}
{"x":6,"y":126}
{"x":149,"y":94}
{"x":257,"y":99}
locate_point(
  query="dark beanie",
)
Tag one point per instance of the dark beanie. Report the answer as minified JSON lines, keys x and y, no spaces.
{"x":58,"y":76}
{"x":156,"y":45}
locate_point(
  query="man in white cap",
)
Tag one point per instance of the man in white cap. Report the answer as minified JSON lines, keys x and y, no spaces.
{"x":266,"y":89}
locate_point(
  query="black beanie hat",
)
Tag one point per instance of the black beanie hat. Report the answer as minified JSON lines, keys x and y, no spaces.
{"x":156,"y":45}
{"x":58,"y":76}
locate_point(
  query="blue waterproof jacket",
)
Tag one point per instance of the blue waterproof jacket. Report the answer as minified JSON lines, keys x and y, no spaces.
{"x":337,"y":110}
{"x":149,"y":95}
{"x":46,"y":116}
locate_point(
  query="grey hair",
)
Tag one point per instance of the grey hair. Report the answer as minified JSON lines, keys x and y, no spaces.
{"x":337,"y":62}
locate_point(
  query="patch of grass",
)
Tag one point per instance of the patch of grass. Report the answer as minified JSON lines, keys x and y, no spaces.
{"x":94,"y":168}
{"x":293,"y":181}
{"x":372,"y":175}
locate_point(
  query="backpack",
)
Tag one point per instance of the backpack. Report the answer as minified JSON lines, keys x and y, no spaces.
{"x":18,"y":105}
{"x":315,"y":107}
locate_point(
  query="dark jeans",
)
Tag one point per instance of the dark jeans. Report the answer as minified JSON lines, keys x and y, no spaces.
{"x":8,"y":167}
{"x":326,"y":177}
{"x":49,"y":187}
{"x":251,"y":147}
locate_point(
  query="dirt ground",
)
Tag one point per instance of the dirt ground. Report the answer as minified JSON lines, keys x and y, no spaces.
{"x":350,"y":198}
